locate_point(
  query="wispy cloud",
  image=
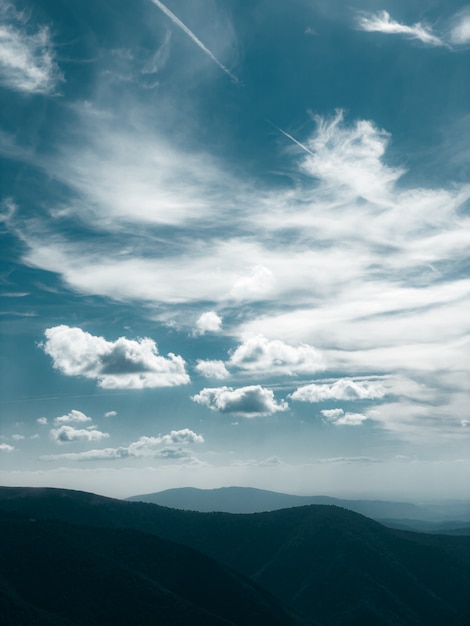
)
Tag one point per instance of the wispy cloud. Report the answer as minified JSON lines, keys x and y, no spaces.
{"x":459,"y":34}
{"x":382,"y":22}
{"x":351,"y":262}
{"x":27,"y":58}
{"x":196,"y":40}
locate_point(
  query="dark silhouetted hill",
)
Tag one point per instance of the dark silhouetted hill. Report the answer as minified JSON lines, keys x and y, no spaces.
{"x":334,"y":566}
{"x":57,"y":574}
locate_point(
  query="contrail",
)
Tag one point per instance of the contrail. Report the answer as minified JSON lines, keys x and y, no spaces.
{"x":301,"y":145}
{"x":197,"y":41}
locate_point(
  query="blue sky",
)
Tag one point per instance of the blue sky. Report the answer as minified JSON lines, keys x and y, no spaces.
{"x":235,"y":246}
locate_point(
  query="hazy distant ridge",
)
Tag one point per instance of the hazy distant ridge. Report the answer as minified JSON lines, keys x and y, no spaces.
{"x":249,"y":500}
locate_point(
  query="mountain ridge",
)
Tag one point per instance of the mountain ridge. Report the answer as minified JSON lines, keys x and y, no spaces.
{"x":333,"y":566}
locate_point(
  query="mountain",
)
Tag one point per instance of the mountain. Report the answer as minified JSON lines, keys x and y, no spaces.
{"x":55,"y":573}
{"x":330,"y":564}
{"x":249,"y":500}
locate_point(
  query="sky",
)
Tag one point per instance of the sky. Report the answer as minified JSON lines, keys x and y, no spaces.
{"x":234,"y":246}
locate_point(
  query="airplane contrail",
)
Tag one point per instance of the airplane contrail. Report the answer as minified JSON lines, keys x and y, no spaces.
{"x":300,"y":144}
{"x":196,"y":40}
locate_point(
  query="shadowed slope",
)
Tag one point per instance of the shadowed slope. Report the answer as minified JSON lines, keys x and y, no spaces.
{"x":335,"y":566}
{"x":55,"y":573}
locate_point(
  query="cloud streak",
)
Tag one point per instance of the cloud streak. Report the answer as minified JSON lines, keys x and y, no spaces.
{"x":196,"y":40}
{"x":382,"y":22}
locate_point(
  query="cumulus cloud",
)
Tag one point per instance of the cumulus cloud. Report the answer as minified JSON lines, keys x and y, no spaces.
{"x":339,"y":418}
{"x":173,"y":443}
{"x":110,"y":414}
{"x":5,"y":447}
{"x":381,"y":22}
{"x":258,"y":354}
{"x":42,"y":421}
{"x":27,"y":58}
{"x":250,"y":401}
{"x":212,"y":369}
{"x":17,"y":437}
{"x":121,"y":364}
{"x":73,"y":417}
{"x":65,"y":434}
{"x":209,"y":322}
{"x":342,"y":389}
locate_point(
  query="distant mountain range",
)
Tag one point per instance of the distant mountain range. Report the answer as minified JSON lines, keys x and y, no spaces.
{"x":452,"y":517}
{"x":325,"y":563}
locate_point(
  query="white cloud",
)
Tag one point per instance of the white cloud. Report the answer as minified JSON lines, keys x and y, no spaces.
{"x":65,"y":434}
{"x":194,"y":38}
{"x":122,"y":364}
{"x":339,"y":418}
{"x":358,"y":263}
{"x":332,"y":414}
{"x":27,"y":58}
{"x":460,"y":30}
{"x":42,"y":421}
{"x":351,"y":157}
{"x":256,"y":284}
{"x":212,"y":369}
{"x":143,"y":447}
{"x":250,"y":401}
{"x":342,"y":389}
{"x":381,"y":22}
{"x":73,"y":416}
{"x":17,"y":437}
{"x":5,"y":447}
{"x":110,"y":414}
{"x":184,"y":436}
{"x":258,"y":354}
{"x":209,"y":322}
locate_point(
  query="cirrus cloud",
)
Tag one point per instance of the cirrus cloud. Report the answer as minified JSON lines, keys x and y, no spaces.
{"x":27,"y":57}
{"x":121,"y":364}
{"x":381,"y":22}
